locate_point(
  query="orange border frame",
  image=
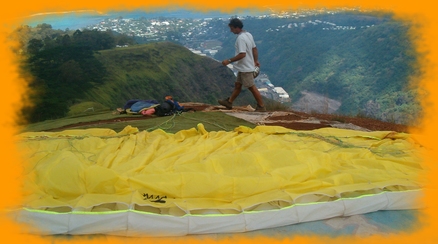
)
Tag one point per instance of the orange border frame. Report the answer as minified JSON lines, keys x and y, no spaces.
{"x":13,"y":89}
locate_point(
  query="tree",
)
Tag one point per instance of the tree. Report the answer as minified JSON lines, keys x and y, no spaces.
{"x":44,"y":26}
{"x":62,"y":74}
{"x":34,"y":46}
{"x":66,"y":40}
{"x":96,"y":40}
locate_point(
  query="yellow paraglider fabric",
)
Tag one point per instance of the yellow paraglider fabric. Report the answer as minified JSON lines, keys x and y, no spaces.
{"x":195,"y":171}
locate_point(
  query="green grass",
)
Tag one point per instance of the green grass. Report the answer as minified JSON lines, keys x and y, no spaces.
{"x":85,"y":108}
{"x":272,"y":105}
{"x":57,"y":123}
{"x":212,"y":121}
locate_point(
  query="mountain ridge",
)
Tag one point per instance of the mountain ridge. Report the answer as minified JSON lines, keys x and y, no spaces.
{"x":152,"y":71}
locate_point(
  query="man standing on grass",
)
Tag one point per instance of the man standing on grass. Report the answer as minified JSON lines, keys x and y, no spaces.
{"x":246,"y":60}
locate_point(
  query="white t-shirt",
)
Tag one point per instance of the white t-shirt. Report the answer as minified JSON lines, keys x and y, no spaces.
{"x":244,"y":44}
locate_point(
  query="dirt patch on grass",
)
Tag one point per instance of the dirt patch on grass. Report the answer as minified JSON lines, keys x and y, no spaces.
{"x":330,"y":120}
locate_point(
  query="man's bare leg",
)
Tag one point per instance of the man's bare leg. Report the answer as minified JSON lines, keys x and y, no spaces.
{"x":236,"y":92}
{"x":258,"y":97}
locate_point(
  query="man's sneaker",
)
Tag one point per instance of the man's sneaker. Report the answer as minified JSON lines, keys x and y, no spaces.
{"x":260,"y":109}
{"x":225,"y":103}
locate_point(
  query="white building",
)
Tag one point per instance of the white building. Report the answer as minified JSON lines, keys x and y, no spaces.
{"x":284,"y":96}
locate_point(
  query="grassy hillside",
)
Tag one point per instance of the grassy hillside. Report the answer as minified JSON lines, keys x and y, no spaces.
{"x":152,"y":71}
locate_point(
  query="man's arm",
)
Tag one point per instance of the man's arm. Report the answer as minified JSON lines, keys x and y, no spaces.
{"x":234,"y":59}
{"x":255,"y":54}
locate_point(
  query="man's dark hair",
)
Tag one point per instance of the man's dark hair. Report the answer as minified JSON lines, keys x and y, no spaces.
{"x":235,"y":22}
